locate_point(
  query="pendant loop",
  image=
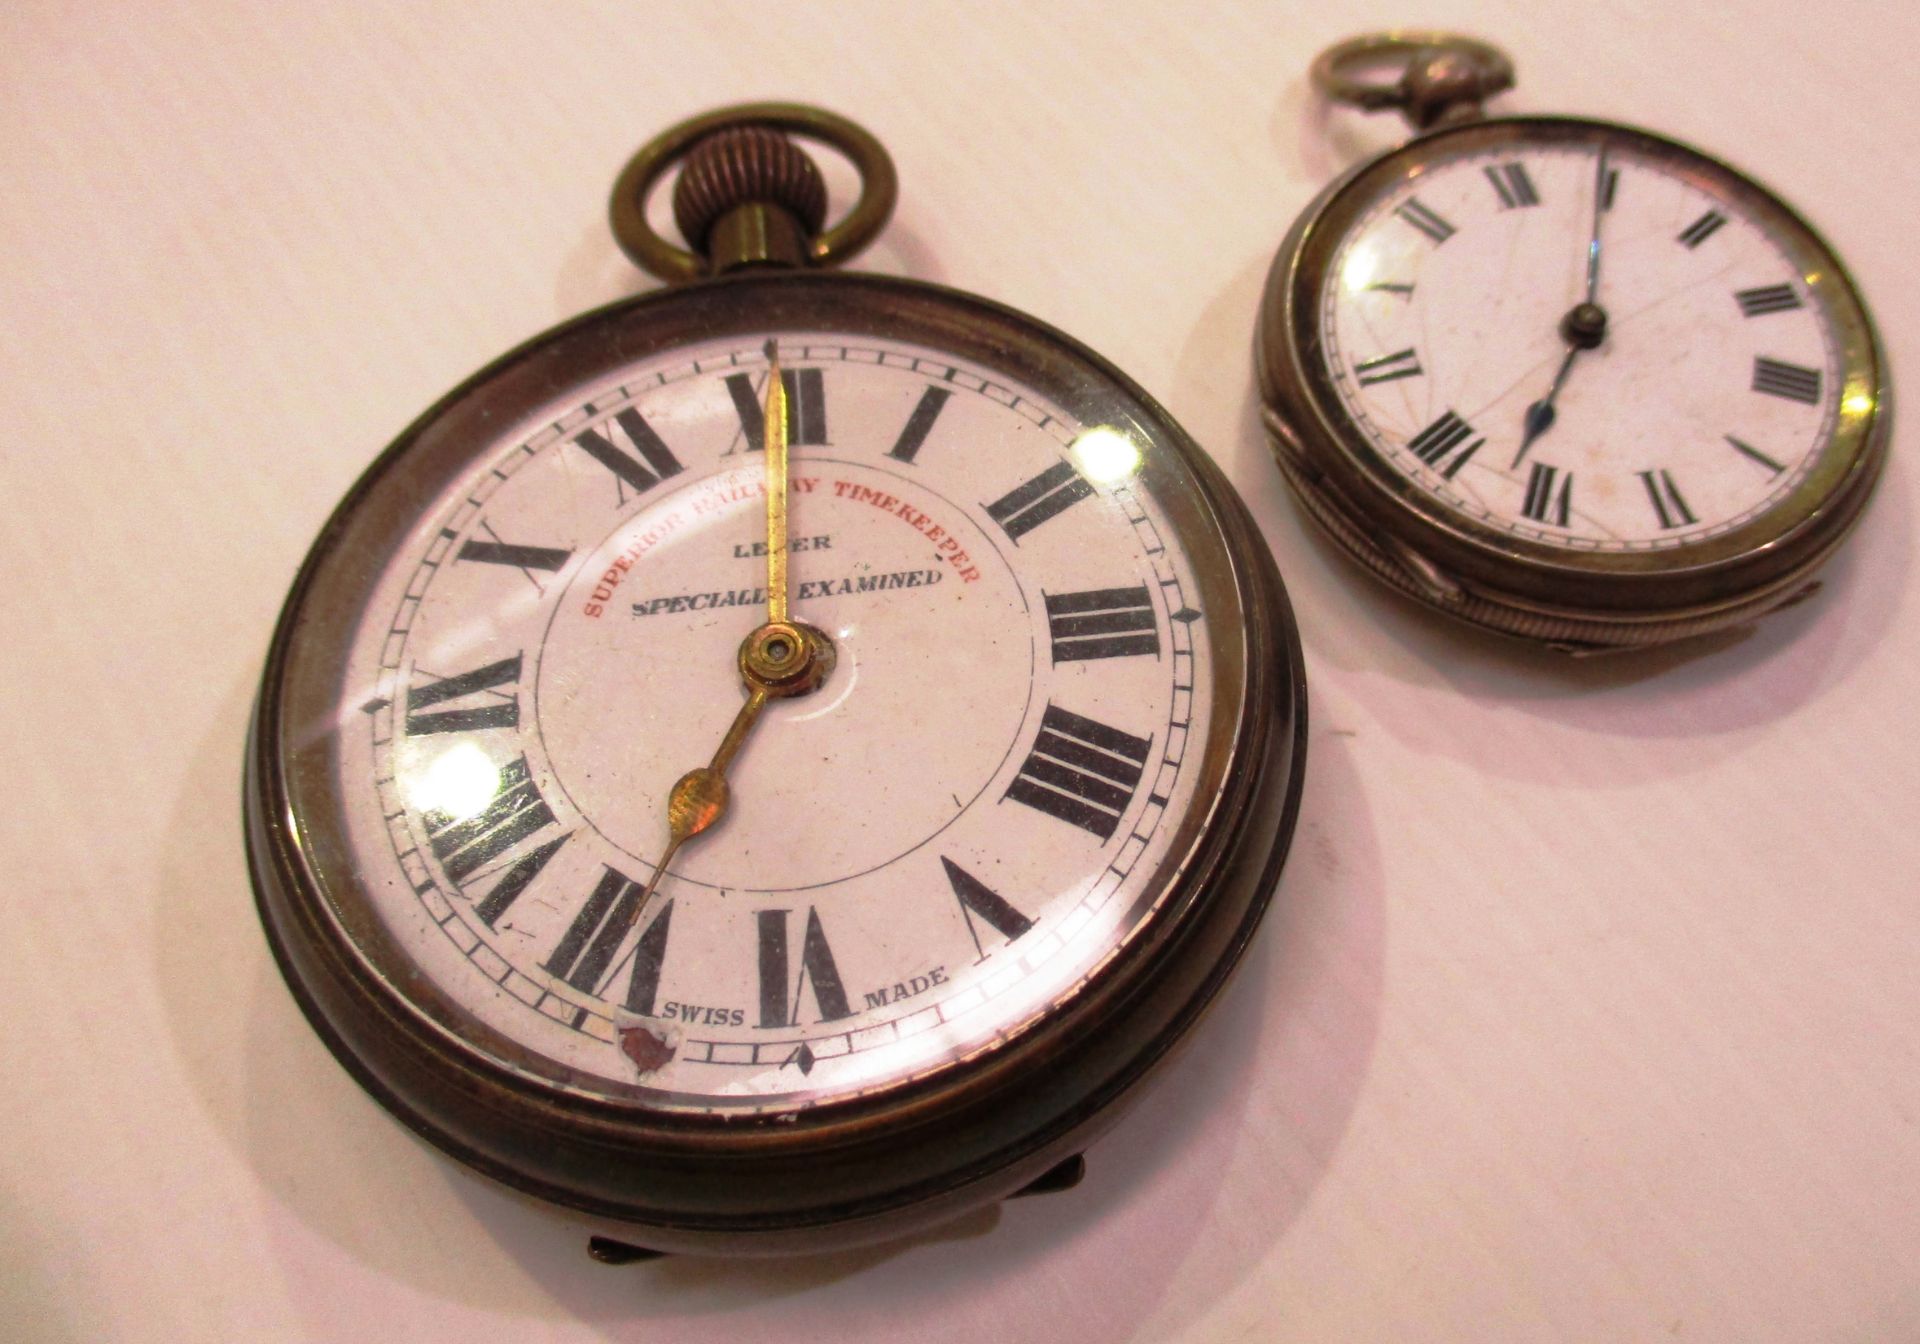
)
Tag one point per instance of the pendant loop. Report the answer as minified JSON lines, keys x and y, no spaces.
{"x":879,"y":188}
{"x":1432,"y":78}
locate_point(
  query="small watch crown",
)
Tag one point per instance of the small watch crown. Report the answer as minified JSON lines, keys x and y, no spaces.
{"x":1448,"y":83}
{"x":742,"y":166}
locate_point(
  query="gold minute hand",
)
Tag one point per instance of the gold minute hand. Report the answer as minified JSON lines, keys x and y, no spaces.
{"x":779,"y":659}
{"x":775,"y":435}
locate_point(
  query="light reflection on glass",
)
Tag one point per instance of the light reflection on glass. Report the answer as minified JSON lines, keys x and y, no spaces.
{"x":1106,"y":456}
{"x":1362,"y":267}
{"x":457,"y":784}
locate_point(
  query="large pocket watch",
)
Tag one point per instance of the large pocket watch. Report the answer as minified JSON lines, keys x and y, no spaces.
{"x":1560,"y":378}
{"x":776,"y":759}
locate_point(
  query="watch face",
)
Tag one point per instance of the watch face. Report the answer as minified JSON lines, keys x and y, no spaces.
{"x":525,"y":627}
{"x":1573,"y":339}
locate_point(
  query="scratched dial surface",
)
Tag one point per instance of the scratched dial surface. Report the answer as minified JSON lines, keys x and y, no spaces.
{"x":982,"y":806}
{"x":1715,"y":389}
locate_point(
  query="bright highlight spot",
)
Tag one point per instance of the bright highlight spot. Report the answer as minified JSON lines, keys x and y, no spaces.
{"x":1362,"y":268}
{"x":458,"y":783}
{"x":1105,"y":456}
{"x":1857,"y":404}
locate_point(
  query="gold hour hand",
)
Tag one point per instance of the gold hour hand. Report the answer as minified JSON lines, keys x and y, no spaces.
{"x":700,"y":796}
{"x":778,"y":660}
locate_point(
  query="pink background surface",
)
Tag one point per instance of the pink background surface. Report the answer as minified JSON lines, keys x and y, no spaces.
{"x":1587,"y":1007}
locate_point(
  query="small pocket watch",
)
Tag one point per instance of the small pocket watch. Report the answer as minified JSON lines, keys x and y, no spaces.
{"x":774,"y":760}
{"x":1563,"y":379}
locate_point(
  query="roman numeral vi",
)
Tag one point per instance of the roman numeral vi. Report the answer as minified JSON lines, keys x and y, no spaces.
{"x":817,"y":968}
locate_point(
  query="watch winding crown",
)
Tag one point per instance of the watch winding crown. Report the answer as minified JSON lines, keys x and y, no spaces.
{"x":748,"y":195}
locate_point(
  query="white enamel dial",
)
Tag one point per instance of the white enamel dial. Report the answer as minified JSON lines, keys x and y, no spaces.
{"x":1707,"y":394}
{"x":975,"y":812}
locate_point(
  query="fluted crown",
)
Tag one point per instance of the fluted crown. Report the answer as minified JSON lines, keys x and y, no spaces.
{"x":741,"y":166}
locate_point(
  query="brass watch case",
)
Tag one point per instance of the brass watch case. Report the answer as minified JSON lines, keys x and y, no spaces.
{"x":1575,"y":601}
{"x":840,"y":1173}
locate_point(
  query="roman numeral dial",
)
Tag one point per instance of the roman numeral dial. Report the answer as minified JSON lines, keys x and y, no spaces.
{"x":1702,"y":229}
{"x":1424,"y":219}
{"x":1764,"y":299}
{"x":1575,"y":338}
{"x":493,"y":549}
{"x":514,"y":882}
{"x":1790,"y":382}
{"x":920,"y":424}
{"x":1664,"y":494}
{"x":548,"y":559}
{"x":1033,"y":658}
{"x":1549,"y":497}
{"x":1512,"y":185}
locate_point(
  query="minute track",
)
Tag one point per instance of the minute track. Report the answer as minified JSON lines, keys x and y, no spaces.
{"x":1139,"y":638}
